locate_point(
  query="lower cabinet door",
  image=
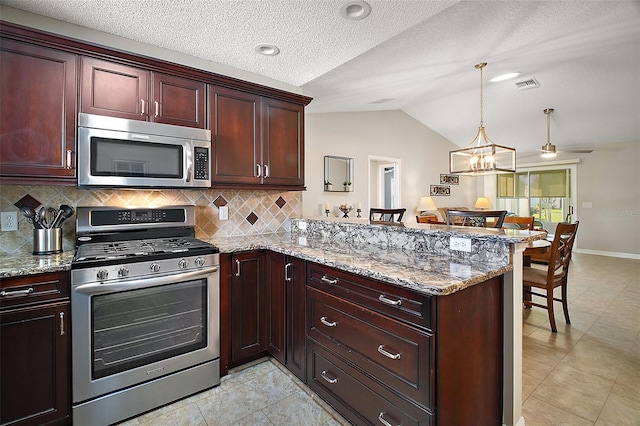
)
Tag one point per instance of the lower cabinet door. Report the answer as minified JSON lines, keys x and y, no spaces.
{"x":34,"y":360}
{"x":359,"y":399}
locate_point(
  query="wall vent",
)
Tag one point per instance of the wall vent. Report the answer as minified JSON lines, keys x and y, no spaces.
{"x":529,"y":83}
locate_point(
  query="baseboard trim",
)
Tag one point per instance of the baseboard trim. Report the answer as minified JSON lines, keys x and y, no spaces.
{"x":609,"y":253}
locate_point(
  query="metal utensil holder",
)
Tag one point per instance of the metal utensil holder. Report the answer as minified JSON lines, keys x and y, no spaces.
{"x":47,"y":241}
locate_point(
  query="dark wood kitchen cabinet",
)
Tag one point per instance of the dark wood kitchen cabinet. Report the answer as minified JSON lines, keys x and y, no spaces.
{"x":380,"y":353}
{"x":248,"y":316}
{"x":35,"y":350}
{"x":118,"y":90}
{"x":257,"y":141}
{"x":37,"y":114}
{"x":286,"y":298}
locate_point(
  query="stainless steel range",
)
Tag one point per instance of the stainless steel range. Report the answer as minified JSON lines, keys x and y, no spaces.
{"x":145,"y":311}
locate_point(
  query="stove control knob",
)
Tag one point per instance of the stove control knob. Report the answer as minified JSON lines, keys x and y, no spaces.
{"x":183,"y":263}
{"x":102,"y":274}
{"x":199,"y":262}
{"x":154,"y":267}
{"x":123,"y":272}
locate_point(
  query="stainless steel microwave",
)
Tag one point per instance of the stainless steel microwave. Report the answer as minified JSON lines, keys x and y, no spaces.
{"x":115,"y":152}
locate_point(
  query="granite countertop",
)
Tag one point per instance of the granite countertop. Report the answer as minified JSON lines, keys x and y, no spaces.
{"x":424,"y":273}
{"x":29,"y":264}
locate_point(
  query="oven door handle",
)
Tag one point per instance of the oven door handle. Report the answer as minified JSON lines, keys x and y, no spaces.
{"x":100,"y":288}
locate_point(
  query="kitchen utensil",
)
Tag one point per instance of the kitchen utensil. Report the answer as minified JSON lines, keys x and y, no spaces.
{"x":64,"y":213}
{"x":51,"y":216}
{"x":30,"y":214}
{"x":42,"y":217}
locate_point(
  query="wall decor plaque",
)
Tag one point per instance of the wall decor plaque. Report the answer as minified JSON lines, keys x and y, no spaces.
{"x":440,"y":190}
{"x":446,"y":179}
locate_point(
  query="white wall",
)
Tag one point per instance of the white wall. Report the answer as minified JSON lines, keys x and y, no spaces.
{"x":424,"y":154}
{"x":609,"y":179}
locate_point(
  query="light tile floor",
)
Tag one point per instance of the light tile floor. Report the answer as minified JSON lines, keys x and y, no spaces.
{"x":586,"y":374}
{"x":589,"y":372}
{"x":264,"y":394}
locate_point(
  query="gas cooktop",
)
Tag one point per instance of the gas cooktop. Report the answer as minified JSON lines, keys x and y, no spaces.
{"x":184,"y":246}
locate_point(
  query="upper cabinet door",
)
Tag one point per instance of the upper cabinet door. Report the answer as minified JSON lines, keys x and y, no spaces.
{"x":178,"y":101}
{"x":37,"y":113}
{"x":115,"y":90}
{"x":235,"y":134}
{"x":283,"y":143}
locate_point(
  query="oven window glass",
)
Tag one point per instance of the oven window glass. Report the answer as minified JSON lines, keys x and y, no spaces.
{"x":137,"y":327}
{"x":113,"y":157}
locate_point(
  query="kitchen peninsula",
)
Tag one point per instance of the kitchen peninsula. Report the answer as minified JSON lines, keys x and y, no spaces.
{"x":396,"y":283}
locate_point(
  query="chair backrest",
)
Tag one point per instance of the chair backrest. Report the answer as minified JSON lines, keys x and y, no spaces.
{"x":477,"y":218}
{"x":560,"y":250}
{"x":524,"y":222}
{"x":386,"y":215}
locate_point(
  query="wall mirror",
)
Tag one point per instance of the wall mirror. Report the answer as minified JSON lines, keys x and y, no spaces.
{"x":338,"y":174}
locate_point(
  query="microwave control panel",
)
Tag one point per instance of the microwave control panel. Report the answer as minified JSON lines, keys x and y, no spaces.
{"x":201,"y":163}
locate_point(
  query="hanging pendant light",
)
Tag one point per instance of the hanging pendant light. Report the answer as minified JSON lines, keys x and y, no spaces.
{"x":482,"y":156}
{"x":548,"y":149}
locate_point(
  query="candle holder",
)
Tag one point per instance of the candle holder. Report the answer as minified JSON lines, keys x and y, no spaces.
{"x":358,"y":213}
{"x":326,"y":212}
{"x":345,"y":210}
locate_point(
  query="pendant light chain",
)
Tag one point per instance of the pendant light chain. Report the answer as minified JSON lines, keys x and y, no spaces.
{"x":480,"y":67}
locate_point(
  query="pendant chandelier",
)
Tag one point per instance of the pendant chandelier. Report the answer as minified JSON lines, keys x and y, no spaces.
{"x":548,"y":149}
{"x":482,"y":156}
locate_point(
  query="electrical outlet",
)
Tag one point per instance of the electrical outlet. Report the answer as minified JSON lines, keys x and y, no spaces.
{"x":9,"y":221}
{"x":223,"y":212}
{"x":460,"y":271}
{"x":302,"y":225}
{"x":460,"y":244}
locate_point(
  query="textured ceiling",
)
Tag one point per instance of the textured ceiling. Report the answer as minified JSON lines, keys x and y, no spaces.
{"x":417,"y":56}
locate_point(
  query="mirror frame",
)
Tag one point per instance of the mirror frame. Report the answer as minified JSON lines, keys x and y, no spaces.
{"x":338,"y":176}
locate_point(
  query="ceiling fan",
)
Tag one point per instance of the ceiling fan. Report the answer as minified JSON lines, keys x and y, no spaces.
{"x":549,"y":150}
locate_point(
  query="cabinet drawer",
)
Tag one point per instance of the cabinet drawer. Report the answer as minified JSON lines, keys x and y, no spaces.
{"x":361,"y":400}
{"x":396,"y":302}
{"x":392,"y":352}
{"x":26,"y":290}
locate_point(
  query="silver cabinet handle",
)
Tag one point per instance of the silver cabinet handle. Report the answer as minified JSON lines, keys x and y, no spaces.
{"x":157,"y":108}
{"x":259,"y":170}
{"x":327,"y":323}
{"x":62,"y":323}
{"x":266,"y":170}
{"x":389,"y":301}
{"x":69,"y":159}
{"x":286,"y":271}
{"x":387,"y":354}
{"x":16,"y":293}
{"x":237,"y":268}
{"x":383,"y":421}
{"x":325,"y":279}
{"x":327,"y":378}
{"x":142,"y":107}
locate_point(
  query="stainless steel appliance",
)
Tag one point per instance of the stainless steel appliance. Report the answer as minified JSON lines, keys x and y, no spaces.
{"x":115,"y":152}
{"x":145,"y":311}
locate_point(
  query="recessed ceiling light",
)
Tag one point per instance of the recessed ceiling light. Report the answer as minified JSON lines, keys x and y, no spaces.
{"x":355,"y":10}
{"x":267,"y":49}
{"x":505,"y":76}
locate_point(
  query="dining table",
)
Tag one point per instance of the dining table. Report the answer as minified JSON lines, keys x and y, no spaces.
{"x":534,"y":247}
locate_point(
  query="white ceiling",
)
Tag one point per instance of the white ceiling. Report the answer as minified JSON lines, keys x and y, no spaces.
{"x":418,"y":55}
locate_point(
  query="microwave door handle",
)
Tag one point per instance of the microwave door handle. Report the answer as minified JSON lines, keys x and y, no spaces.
{"x":189,"y":164}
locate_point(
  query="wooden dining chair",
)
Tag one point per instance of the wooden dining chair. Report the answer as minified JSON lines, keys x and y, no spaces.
{"x":477,"y":218}
{"x":523,"y":222}
{"x":386,"y":215}
{"x":555,"y":274}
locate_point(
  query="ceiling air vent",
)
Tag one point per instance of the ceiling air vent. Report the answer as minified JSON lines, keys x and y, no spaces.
{"x":529,"y":83}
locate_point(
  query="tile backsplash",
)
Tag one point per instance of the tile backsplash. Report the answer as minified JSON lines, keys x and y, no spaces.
{"x":250,"y":212}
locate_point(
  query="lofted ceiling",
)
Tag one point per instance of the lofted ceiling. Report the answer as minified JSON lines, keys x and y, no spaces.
{"x":416,"y":56}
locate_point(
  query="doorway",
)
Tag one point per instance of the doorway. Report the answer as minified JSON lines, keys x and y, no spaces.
{"x":384,"y":182}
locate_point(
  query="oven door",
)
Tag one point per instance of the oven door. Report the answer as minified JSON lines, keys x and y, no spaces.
{"x":130,"y":332}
